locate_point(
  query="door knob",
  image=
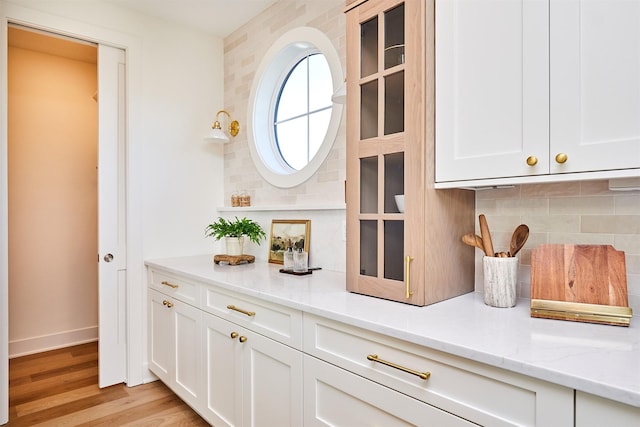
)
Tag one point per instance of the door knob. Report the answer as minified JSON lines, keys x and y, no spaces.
{"x":108,"y":257}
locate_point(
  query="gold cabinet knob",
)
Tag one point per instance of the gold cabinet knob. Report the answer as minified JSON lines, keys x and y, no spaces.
{"x":532,"y":160}
{"x":167,"y":304}
{"x":243,"y":338}
{"x":233,"y":335}
{"x":561,"y":158}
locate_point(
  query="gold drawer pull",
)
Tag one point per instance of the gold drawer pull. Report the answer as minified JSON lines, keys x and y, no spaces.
{"x":171,"y":285}
{"x":248,"y":313}
{"x":422,"y":375}
{"x":167,"y":304}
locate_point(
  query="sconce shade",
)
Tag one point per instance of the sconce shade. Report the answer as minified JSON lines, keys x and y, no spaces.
{"x":218,"y":134}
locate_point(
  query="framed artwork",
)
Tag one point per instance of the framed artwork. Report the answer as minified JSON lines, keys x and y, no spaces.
{"x":285,"y":233}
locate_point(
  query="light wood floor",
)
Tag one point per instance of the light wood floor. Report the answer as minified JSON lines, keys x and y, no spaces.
{"x":60,"y":387}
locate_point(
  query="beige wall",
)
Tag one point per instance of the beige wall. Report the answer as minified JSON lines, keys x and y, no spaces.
{"x":556,"y":213}
{"x":52,"y":201}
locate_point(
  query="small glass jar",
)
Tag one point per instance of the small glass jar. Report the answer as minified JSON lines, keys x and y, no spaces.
{"x":235,"y":199}
{"x":288,"y":259}
{"x":300,"y":261}
{"x":245,"y":198}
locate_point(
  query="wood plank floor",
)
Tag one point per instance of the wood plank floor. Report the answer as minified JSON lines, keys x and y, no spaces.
{"x":60,"y":388}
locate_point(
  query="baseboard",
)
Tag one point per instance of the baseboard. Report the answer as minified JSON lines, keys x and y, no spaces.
{"x":42,"y":343}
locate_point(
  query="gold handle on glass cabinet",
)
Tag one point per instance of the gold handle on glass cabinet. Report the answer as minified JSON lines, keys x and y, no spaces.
{"x":407,"y":280}
{"x":561,"y":158}
{"x":421,"y":375}
{"x":233,"y":335}
{"x":532,"y":160}
{"x":167,"y":304}
{"x":171,"y":285}
{"x":248,"y":313}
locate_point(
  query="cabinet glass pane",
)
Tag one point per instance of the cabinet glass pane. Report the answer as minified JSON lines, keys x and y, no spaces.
{"x":369,"y":47}
{"x":369,"y":248}
{"x":394,"y":103}
{"x":394,"y":37}
{"x":369,"y":185}
{"x":393,"y":180}
{"x":369,"y":110}
{"x":394,"y":250}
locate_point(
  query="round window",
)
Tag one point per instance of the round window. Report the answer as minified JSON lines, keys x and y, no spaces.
{"x":294,"y":122}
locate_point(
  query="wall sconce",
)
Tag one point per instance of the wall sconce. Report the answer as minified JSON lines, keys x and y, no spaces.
{"x":217,"y":132}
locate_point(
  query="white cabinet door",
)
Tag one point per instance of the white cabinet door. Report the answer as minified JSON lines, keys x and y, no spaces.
{"x":594,"y":411}
{"x":492,"y":88}
{"x":272,"y":383}
{"x":222,"y":372}
{"x":595,"y":84}
{"x":251,"y":380}
{"x":335,"y":397}
{"x":174,"y":345}
{"x":161,"y":356}
{"x":187,"y":335}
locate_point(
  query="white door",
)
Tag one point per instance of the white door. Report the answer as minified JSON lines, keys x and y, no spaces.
{"x":111,"y":216}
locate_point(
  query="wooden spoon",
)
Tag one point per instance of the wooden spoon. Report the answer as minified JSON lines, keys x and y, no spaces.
{"x":473,"y":240}
{"x":518,"y":239}
{"x":486,"y":236}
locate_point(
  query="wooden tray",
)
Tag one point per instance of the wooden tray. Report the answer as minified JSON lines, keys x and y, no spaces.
{"x":234,"y":259}
{"x":582,"y":283}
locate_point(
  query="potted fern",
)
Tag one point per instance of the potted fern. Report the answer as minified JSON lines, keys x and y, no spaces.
{"x":234,"y":232}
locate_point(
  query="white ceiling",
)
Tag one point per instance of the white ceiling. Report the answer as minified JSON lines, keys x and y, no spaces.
{"x":217,"y":17}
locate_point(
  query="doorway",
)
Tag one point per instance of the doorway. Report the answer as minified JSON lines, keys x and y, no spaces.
{"x":53,"y":195}
{"x":67,"y":206}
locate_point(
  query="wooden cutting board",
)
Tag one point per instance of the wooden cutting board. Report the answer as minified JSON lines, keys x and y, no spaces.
{"x":585,"y":283}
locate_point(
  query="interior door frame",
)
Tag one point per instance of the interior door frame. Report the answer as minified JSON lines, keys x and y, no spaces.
{"x":136,"y":319}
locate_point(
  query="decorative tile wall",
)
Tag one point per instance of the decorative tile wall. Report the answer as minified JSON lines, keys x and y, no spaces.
{"x":572,"y":212}
{"x":243,"y":54}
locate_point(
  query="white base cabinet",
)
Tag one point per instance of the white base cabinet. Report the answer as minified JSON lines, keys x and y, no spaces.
{"x":234,"y":359}
{"x":335,"y":397}
{"x":174,"y":336}
{"x":251,"y":380}
{"x":469,"y":390}
{"x":239,"y":360}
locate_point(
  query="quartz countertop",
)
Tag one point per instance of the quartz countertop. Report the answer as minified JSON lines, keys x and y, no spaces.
{"x":602,"y":360}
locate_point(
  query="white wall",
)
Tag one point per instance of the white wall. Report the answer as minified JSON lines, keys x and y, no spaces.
{"x":175,"y":86}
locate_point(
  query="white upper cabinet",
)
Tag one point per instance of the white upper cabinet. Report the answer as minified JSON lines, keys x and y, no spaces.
{"x":595,"y":84}
{"x":536,"y":90}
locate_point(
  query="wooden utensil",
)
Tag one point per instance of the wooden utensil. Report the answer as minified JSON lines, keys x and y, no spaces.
{"x":518,"y":239}
{"x":473,"y":240}
{"x":486,"y":236}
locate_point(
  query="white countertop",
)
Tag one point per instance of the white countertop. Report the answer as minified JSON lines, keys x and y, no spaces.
{"x":599,"y":359}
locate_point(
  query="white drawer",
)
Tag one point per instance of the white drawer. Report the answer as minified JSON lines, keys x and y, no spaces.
{"x":175,"y":286}
{"x":474,"y":391}
{"x":280,"y":323}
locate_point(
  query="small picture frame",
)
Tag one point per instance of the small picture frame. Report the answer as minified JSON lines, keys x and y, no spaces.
{"x":285,"y":233}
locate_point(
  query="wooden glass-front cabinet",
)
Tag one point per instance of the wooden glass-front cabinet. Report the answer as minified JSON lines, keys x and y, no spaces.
{"x":413,"y":256}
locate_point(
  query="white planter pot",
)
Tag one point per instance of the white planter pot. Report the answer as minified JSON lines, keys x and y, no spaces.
{"x":234,"y":245}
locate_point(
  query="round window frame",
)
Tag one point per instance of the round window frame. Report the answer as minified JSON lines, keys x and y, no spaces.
{"x":271,"y":74}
